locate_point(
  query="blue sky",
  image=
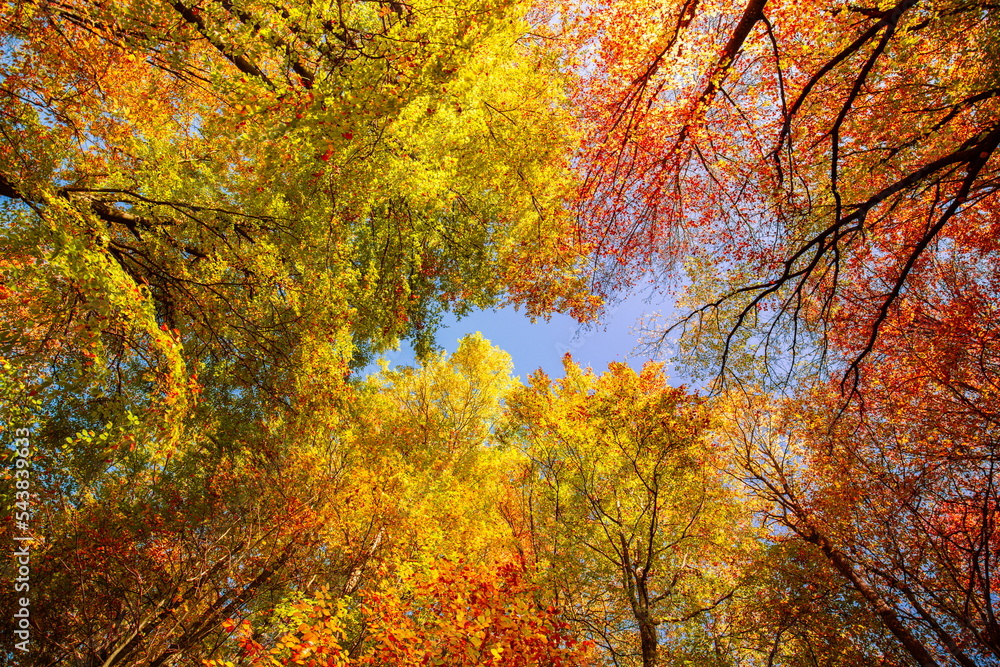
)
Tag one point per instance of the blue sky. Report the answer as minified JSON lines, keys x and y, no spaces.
{"x":543,"y":344}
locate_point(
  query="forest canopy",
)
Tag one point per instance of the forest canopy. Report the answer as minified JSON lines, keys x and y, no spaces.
{"x":216,"y":215}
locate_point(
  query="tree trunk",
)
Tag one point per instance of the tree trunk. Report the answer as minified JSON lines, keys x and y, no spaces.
{"x":892,"y":621}
{"x":649,"y":643}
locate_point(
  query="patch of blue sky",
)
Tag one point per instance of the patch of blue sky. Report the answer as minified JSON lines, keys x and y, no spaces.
{"x":542,"y":344}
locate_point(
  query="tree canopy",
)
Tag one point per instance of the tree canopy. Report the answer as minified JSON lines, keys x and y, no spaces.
{"x":216,"y":215}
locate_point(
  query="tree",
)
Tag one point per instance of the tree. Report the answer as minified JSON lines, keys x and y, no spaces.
{"x":629,"y":515}
{"x":898,"y":502}
{"x":140,"y":563}
{"x":810,"y":161}
{"x":793,"y":609}
{"x":439,"y":613}
{"x":198,"y":189}
{"x":418,"y":564}
{"x":828,"y":173}
{"x":423,"y":478}
{"x":212,"y":214}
